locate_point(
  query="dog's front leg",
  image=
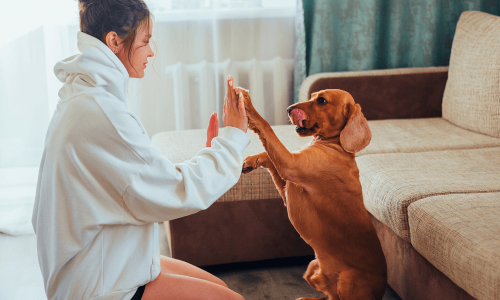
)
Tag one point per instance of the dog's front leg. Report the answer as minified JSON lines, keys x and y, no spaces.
{"x":252,"y":162}
{"x":283,"y":160}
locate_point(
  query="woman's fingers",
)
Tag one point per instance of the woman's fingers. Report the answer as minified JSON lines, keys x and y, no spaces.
{"x":229,"y":87}
{"x":234,"y":106}
{"x":228,"y":91}
{"x":241,"y":99}
{"x":224,"y":115}
{"x":241,"y":103}
{"x":232,"y":100}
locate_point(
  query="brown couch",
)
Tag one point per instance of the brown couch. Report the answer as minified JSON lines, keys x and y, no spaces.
{"x":430,"y":176}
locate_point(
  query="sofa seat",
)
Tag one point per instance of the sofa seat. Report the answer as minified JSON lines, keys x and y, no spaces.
{"x":393,"y":181}
{"x":414,"y":135}
{"x":458,"y":234}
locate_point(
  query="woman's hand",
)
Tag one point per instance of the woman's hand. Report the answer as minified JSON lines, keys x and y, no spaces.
{"x":234,"y":108}
{"x":213,"y":129}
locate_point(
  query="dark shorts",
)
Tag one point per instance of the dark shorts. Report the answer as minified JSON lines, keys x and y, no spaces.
{"x":138,"y":294}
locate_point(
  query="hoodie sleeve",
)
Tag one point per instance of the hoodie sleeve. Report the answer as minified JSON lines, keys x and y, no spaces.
{"x":145,"y":186}
{"x":164,"y":191}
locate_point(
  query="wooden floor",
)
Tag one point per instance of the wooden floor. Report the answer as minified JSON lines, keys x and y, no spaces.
{"x":268,"y":279}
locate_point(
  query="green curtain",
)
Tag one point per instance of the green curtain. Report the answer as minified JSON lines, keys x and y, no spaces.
{"x":348,"y":35}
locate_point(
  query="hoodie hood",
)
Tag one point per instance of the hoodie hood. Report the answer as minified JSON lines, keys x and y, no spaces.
{"x":97,"y":68}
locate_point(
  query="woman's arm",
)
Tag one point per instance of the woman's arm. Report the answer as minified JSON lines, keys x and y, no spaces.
{"x":164,"y":191}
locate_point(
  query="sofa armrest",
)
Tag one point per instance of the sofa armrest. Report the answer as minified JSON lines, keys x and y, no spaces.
{"x":386,"y":94}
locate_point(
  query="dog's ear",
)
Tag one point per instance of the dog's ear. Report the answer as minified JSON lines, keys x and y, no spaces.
{"x":356,"y":134}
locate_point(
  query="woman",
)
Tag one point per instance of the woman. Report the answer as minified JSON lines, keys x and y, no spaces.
{"x":102,"y":186}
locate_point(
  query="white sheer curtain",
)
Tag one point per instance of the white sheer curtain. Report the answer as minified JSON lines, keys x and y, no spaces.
{"x":198,"y":43}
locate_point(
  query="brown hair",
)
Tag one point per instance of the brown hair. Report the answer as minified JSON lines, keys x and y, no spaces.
{"x":99,"y":17}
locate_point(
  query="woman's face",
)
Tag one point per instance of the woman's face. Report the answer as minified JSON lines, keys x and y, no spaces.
{"x":140,"y":51}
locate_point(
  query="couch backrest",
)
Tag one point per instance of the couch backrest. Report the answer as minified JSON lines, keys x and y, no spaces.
{"x":472,"y":94}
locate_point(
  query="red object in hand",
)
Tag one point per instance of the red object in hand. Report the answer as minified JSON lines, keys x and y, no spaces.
{"x":213,"y":129}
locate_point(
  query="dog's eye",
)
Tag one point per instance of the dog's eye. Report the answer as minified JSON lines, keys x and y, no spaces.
{"x":321,"y":100}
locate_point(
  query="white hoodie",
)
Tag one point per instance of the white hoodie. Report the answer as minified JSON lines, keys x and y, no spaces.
{"x":102,"y":185}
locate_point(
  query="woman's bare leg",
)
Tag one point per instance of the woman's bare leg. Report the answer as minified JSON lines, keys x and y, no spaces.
{"x":174,"y":266}
{"x":182,"y":280}
{"x":179,"y":287}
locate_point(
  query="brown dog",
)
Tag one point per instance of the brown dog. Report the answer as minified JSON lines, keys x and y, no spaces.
{"x":321,"y":190}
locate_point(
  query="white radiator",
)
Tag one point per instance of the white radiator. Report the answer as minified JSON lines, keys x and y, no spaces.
{"x":199,"y":89}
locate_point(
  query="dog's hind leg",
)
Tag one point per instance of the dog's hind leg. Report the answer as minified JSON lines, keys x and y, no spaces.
{"x":321,"y":282}
{"x":312,"y":271}
{"x":357,"y":285}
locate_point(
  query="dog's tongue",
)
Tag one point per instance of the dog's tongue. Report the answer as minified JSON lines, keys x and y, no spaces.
{"x":298,"y":115}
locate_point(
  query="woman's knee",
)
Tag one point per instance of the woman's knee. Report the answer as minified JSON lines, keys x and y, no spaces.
{"x":174,"y":266}
{"x":173,"y":286}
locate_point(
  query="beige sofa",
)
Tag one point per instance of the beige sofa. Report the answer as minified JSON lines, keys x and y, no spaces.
{"x":430,"y":176}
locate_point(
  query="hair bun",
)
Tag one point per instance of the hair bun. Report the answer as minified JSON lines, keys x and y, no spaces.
{"x":89,"y":2}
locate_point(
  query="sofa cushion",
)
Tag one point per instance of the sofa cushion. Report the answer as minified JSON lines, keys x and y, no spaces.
{"x":460,"y":235}
{"x":472,"y":93}
{"x":420,"y":135}
{"x":392,"y":181}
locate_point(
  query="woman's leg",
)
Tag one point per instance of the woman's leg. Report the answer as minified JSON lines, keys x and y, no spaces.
{"x":179,"y":287}
{"x":174,"y":266}
{"x":181,"y":280}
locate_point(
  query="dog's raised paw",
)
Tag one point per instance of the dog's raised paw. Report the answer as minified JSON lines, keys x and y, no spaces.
{"x":245,"y":170}
{"x":247,"y":167}
{"x":250,"y":163}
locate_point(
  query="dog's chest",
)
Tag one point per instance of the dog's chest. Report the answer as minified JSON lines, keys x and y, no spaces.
{"x":301,"y":211}
{"x":309,"y":208}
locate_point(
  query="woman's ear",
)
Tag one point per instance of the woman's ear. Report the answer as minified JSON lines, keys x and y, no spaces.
{"x":356,"y":134}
